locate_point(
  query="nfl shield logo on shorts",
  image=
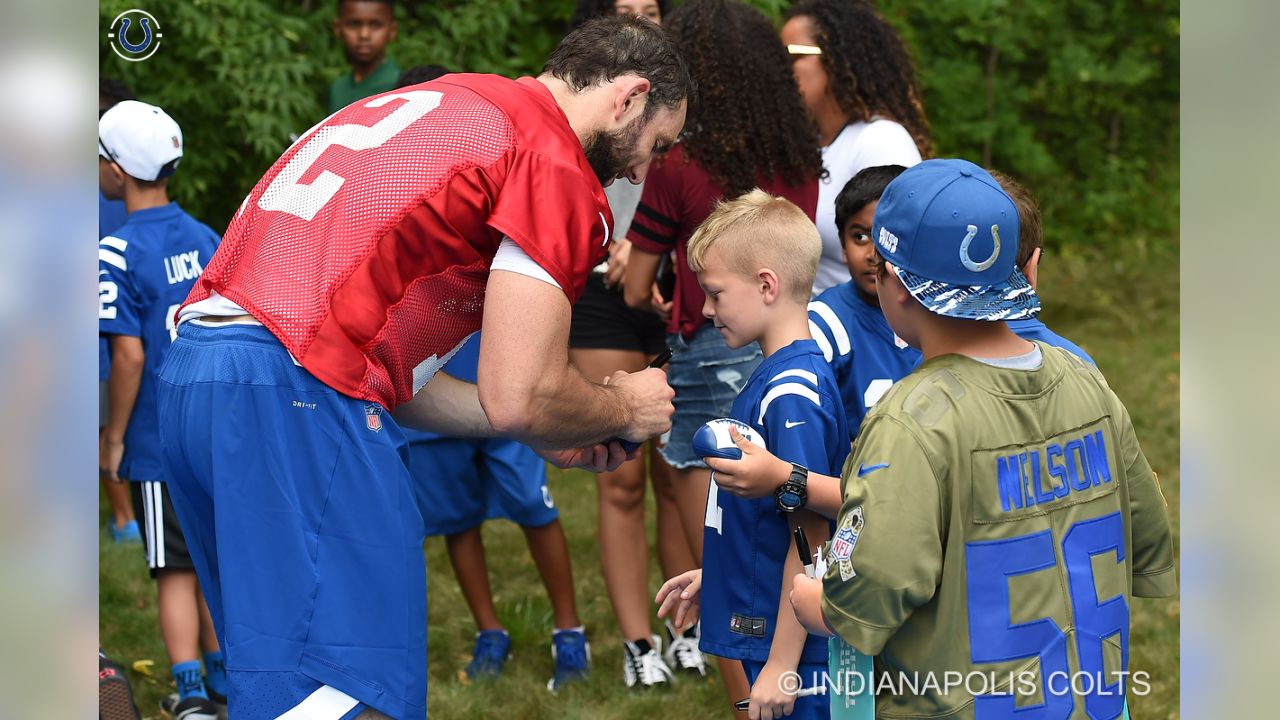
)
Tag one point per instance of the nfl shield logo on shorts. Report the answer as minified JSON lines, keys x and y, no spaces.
{"x":373,"y":417}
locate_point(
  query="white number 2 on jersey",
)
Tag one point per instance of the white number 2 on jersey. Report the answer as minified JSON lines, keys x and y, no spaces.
{"x":715,"y":516}
{"x":304,"y":200}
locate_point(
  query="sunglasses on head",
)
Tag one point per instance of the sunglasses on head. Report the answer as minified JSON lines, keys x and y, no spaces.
{"x":795,"y":50}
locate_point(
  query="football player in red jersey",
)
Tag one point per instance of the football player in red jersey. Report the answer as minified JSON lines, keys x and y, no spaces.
{"x":362,"y":260}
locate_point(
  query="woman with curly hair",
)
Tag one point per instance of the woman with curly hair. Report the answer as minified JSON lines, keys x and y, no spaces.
{"x":746,"y":128}
{"x":860,"y":88}
{"x":605,"y":335}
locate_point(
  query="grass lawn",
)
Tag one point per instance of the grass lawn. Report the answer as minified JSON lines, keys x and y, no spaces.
{"x":1122,"y":310}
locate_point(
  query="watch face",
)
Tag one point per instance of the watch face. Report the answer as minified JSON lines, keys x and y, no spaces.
{"x":789,"y":499}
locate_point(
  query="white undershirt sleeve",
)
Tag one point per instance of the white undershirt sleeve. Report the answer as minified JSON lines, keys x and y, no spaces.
{"x":512,"y":258}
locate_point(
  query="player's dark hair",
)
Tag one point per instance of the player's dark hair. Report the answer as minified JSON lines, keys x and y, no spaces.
{"x":1030,"y":226}
{"x":870,"y":70}
{"x":591,"y":9}
{"x":389,"y":3}
{"x":420,"y":74}
{"x":606,"y":48}
{"x":862,"y":189}
{"x":112,"y":91}
{"x":748,"y":124}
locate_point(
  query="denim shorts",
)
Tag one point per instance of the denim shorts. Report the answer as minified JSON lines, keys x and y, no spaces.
{"x":706,"y":375}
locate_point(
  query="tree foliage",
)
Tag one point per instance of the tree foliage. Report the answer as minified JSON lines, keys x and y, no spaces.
{"x":1079,"y":100}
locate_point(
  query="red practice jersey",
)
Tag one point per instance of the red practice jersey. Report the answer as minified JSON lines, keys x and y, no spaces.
{"x":366,"y":247}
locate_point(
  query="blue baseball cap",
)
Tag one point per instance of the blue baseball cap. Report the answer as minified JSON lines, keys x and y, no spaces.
{"x":951,"y":233}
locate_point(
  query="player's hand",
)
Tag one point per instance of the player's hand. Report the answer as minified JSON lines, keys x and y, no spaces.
{"x":649,"y":399}
{"x":683,"y":593}
{"x":806,"y":600}
{"x":769,"y":699}
{"x":597,"y":458}
{"x":619,"y":253}
{"x":659,"y":304}
{"x":110,"y":453}
{"x":758,"y":474}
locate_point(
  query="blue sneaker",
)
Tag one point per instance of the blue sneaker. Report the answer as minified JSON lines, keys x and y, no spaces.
{"x":127,"y":534}
{"x":490,"y":654}
{"x":572,"y":654}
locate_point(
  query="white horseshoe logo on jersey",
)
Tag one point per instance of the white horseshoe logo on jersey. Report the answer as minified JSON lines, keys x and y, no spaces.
{"x":964,"y":249}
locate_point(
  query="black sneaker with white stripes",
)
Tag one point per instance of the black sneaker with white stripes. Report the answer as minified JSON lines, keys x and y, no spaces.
{"x":193,"y":708}
{"x":642,"y":663}
{"x":682,"y":653}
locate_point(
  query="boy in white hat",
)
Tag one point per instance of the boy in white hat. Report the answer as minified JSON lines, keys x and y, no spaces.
{"x":145,"y":270}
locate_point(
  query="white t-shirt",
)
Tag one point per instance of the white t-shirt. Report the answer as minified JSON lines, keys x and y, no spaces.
{"x":859,"y":145}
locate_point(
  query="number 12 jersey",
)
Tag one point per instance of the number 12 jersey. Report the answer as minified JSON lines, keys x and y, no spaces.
{"x":365,"y":249}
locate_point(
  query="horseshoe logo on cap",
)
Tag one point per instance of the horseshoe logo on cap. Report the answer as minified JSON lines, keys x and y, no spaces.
{"x":968,"y":239}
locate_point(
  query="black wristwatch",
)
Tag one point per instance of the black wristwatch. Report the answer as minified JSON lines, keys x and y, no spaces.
{"x":794,"y":493}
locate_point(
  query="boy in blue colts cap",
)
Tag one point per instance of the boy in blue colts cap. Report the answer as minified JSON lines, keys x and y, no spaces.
{"x":146,"y":268}
{"x":998,"y":512}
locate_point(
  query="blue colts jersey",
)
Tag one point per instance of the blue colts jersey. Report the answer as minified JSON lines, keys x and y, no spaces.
{"x":111,"y":215}
{"x":865,"y":354}
{"x":1032,"y":329}
{"x":145,"y":270}
{"x":793,"y":402}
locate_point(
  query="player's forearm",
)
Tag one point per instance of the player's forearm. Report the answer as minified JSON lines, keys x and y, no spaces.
{"x":563,"y":409}
{"x":448,"y":406}
{"x":122,"y":392}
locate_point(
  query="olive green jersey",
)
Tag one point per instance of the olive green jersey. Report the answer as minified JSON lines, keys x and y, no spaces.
{"x":996,"y":525}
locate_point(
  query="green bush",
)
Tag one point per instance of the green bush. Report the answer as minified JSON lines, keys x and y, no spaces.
{"x":1079,"y":100}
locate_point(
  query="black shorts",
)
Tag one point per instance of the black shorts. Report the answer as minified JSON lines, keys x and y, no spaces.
{"x":602,"y":321}
{"x":162,"y":538}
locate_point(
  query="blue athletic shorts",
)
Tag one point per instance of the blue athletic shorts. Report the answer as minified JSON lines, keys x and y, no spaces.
{"x":461,"y":482}
{"x":809,"y":707}
{"x":299,"y":513}
{"x":706,"y":375}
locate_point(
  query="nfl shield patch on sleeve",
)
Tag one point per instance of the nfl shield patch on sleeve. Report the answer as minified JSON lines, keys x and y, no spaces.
{"x":846,"y":538}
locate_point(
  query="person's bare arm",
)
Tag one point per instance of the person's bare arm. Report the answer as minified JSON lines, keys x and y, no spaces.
{"x":530,"y":392}
{"x":768,"y":695}
{"x":448,"y":406}
{"x":127,"y":359}
{"x":639,"y":289}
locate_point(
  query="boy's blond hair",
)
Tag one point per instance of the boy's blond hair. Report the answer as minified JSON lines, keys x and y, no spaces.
{"x":758,"y":230}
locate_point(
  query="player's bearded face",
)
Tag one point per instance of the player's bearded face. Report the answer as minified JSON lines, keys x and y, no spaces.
{"x":611,"y":153}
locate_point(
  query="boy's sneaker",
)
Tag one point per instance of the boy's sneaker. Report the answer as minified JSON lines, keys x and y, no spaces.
{"x":642,"y":663}
{"x":127,"y":534}
{"x":219,"y":702}
{"x":682,"y":650}
{"x":193,"y":708}
{"x":572,"y":653}
{"x":489,"y":655}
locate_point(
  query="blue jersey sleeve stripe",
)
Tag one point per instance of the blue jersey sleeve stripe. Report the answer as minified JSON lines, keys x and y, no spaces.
{"x":787,"y":389}
{"x":115,"y":243}
{"x":112,"y":258}
{"x":797,"y":373}
{"x":821,"y":339}
{"x":838,"y":332}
